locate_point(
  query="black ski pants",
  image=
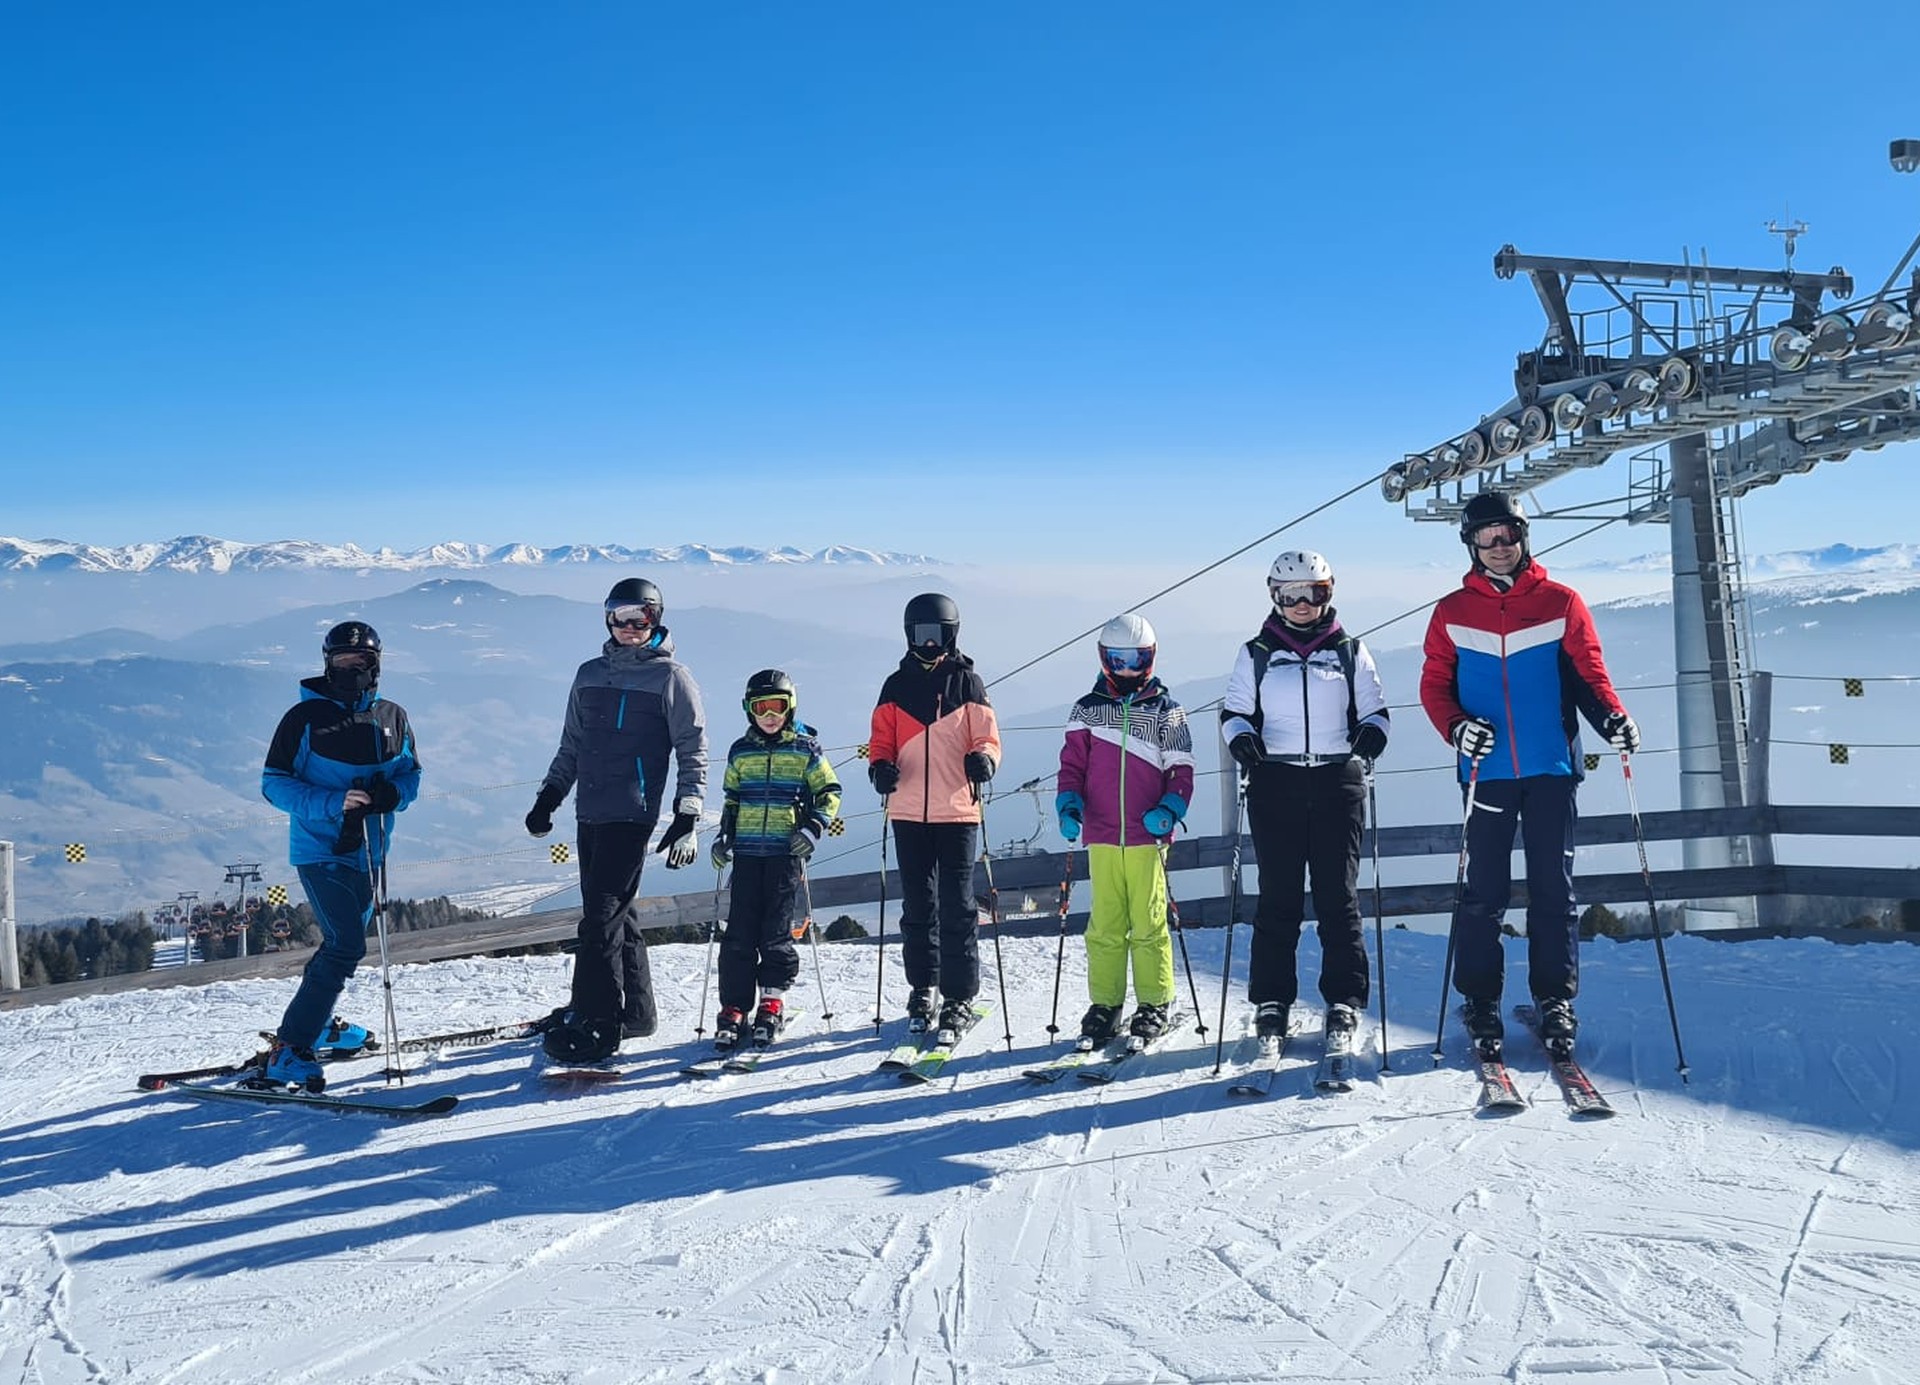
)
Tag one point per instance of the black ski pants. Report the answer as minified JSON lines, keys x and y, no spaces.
{"x":1306,"y":822}
{"x":1542,"y":807}
{"x":612,"y":980}
{"x":756,"y":950}
{"x":939,"y":922}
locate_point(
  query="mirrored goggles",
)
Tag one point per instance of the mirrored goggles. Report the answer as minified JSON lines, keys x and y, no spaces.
{"x":352,"y":658}
{"x":1126,"y":660}
{"x":1302,"y":593}
{"x":775,"y":705}
{"x":1496,"y":536}
{"x":631,"y":617}
{"x":926,"y":632}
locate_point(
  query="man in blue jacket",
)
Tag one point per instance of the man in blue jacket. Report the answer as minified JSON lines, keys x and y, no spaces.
{"x":340,"y":765}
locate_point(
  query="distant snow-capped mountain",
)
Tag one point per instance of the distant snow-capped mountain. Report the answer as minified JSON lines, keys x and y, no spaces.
{"x":198,"y":553}
{"x":1835,"y":560}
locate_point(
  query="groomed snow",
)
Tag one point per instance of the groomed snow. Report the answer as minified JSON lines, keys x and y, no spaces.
{"x":819,"y":1222}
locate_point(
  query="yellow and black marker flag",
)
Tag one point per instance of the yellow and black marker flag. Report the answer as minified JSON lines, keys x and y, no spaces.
{"x":561,"y":853}
{"x":76,"y":853}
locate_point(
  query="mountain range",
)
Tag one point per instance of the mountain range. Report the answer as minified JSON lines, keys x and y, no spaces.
{"x":198,"y":553}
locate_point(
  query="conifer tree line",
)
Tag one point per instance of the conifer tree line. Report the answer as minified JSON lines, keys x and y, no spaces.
{"x":85,"y":950}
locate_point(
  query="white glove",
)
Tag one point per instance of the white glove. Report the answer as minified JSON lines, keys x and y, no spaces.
{"x":1473,"y":738}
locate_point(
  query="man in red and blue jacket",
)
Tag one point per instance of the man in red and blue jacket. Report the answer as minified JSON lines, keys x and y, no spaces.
{"x":1510,"y":658}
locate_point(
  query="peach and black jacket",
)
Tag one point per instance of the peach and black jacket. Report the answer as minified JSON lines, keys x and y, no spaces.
{"x":927,"y":722}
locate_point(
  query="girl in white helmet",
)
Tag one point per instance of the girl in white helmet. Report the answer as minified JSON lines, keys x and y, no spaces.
{"x":1303,"y":713}
{"x":1126,"y":777}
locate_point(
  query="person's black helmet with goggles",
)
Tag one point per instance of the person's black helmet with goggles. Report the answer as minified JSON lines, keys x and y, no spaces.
{"x":1493,"y":515}
{"x":933,"y":625}
{"x":770,"y":691}
{"x":634,"y":603}
{"x":350,"y":656}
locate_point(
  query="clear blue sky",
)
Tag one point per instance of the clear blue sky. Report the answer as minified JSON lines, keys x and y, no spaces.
{"x":1075,"y":279}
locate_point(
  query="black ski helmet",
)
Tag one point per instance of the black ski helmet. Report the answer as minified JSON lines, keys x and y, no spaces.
{"x":1492,"y":507}
{"x":770,"y":682}
{"x":635,"y":591}
{"x":352,"y":637}
{"x":932,"y":624}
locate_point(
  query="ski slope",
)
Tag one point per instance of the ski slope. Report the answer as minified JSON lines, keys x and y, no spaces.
{"x":818,"y":1222}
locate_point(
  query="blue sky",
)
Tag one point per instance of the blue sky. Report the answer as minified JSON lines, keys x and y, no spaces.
{"x":1067,"y":281}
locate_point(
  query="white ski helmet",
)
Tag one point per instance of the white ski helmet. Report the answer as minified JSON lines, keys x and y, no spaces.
{"x":1127,"y":647}
{"x":1296,"y":568}
{"x":1300,"y":566}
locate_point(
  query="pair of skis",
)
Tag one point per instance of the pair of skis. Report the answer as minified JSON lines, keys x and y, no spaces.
{"x":1093,"y":1062}
{"x":202,"y":1084}
{"x":740,"y":1059}
{"x":1334,"y":1074}
{"x":1499,"y":1095}
{"x":922,"y":1060}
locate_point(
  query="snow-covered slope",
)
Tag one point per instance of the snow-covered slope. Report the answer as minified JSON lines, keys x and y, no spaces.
{"x":198,"y":553}
{"x":818,"y":1222}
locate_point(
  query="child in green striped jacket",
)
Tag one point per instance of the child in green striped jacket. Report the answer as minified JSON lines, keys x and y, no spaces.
{"x":781,"y":793}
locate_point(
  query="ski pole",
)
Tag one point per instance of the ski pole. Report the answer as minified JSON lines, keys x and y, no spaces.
{"x":1060,"y":956}
{"x":706,"y":970}
{"x":1173,"y":927}
{"x":1653,"y":914}
{"x":993,"y":918}
{"x":880,"y":977}
{"x":806,"y":891}
{"x":377,"y":885}
{"x":1233,"y":913}
{"x":1379,"y":916}
{"x":1453,"y":919}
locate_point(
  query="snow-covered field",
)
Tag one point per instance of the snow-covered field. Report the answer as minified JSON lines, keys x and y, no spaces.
{"x":819,"y":1222}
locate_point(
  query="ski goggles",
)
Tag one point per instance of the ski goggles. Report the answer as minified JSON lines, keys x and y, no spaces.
{"x":1126,"y":660}
{"x":1302,"y":593}
{"x":353,"y":658}
{"x":776,"y":705}
{"x":630,"y":617}
{"x":926,"y":632}
{"x":1497,"y":536}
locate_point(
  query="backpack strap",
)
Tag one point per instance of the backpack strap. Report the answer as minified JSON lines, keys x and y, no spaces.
{"x":1262,"y":654}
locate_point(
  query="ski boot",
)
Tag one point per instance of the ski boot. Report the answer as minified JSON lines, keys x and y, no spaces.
{"x":1270,"y":1019}
{"x":1483,"y":1026}
{"x":1342,"y":1025}
{"x":1149,"y":1022}
{"x":921,"y":1009}
{"x":730,"y":1028}
{"x":1099,"y":1024}
{"x":345,"y":1038}
{"x":1557,"y":1026}
{"x":768,"y":1020}
{"x":288,"y":1066}
{"x":956,"y":1018}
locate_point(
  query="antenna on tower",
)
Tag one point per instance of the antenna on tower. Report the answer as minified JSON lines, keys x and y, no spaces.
{"x":1790,"y":233}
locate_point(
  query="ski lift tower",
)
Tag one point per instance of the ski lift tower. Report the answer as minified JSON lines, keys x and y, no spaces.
{"x":1715,"y":381}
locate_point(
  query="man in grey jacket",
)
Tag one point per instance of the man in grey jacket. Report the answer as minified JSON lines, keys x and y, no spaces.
{"x":629,"y":710}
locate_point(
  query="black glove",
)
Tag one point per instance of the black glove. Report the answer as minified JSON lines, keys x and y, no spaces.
{"x":680,"y":830}
{"x":1247,"y":750}
{"x":885,"y":775}
{"x":979,"y":766}
{"x":1621,"y":733}
{"x":1369,"y":741}
{"x":383,"y":795}
{"x":540,"y":820}
{"x":353,"y":831}
{"x":805,"y":838}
